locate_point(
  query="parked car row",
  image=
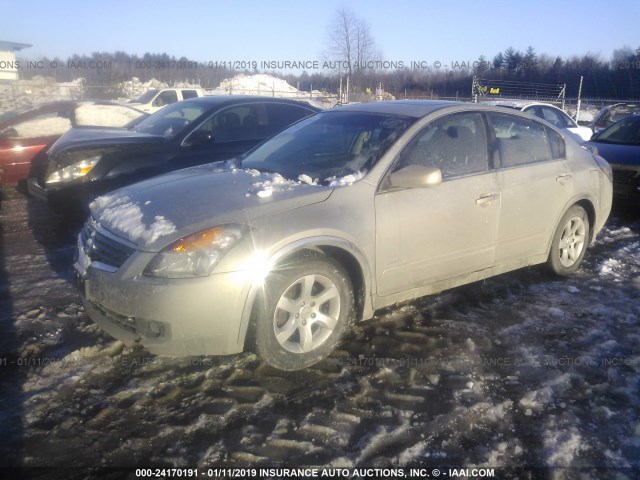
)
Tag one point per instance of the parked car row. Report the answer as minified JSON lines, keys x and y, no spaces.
{"x":25,"y":132}
{"x":343,"y":213}
{"x":209,"y":232}
{"x":86,"y":163}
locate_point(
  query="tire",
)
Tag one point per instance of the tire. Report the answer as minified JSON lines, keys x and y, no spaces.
{"x":569,"y":242}
{"x":306,"y":307}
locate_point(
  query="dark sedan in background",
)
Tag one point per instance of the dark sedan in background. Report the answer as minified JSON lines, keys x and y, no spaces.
{"x":86,"y":163}
{"x":620,"y":146}
{"x":26,"y":131}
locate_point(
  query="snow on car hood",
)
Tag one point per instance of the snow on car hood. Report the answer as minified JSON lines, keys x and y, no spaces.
{"x":163,"y":209}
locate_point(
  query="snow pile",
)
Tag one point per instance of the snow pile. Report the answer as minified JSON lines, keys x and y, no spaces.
{"x":42,"y":127}
{"x":270,"y":86}
{"x":117,"y":212}
{"x":90,"y":114}
{"x":29,"y":93}
{"x":259,"y":84}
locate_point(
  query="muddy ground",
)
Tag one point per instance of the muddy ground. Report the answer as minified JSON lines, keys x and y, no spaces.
{"x":522,"y":370}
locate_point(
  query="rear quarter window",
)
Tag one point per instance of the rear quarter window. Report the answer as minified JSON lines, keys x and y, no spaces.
{"x":189,"y":94}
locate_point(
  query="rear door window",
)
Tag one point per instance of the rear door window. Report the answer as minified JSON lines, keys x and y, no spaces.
{"x":521,"y":141}
{"x":165,"y":98}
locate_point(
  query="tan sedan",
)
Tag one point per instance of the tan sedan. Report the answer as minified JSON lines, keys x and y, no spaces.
{"x":345,"y":212}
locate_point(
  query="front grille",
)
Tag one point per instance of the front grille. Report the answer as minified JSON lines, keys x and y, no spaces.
{"x":102,"y":247}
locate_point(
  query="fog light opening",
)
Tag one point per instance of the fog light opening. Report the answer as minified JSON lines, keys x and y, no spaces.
{"x":155,"y":328}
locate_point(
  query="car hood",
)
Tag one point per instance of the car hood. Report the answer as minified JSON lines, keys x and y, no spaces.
{"x":617,"y":154}
{"x":158,"y":211}
{"x":81,"y":137}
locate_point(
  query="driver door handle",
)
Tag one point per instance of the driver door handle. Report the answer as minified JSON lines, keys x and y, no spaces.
{"x":563,"y":178}
{"x":487,"y":199}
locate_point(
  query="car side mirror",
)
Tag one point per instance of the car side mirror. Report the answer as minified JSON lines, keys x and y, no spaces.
{"x":416,"y":176}
{"x":158,"y":102}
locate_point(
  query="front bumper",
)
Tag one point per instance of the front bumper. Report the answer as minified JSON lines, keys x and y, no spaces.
{"x":36,"y":190}
{"x":194,"y":316}
{"x":177,"y":317}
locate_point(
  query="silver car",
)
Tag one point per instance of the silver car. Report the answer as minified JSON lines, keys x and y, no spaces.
{"x":345,"y":212}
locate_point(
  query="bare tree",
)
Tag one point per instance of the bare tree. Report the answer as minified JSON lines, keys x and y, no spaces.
{"x":351,"y":47}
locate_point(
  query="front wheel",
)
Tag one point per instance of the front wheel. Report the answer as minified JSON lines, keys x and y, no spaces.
{"x":569,"y":242}
{"x":305,"y":309}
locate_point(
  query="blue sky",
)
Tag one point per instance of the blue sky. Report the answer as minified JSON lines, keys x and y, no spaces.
{"x":446,"y":31}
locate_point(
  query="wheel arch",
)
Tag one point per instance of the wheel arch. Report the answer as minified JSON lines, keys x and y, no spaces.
{"x":344,"y":252}
{"x":587,"y":204}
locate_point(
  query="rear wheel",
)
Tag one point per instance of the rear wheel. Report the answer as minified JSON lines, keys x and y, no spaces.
{"x":569,"y":242}
{"x":306,"y":308}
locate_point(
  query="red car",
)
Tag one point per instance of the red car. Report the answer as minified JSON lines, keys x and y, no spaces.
{"x":25,"y":132}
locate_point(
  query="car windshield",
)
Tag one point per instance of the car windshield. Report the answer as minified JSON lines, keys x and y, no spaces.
{"x":172,"y":120}
{"x":329,"y":145}
{"x":615,"y":113}
{"x":626,"y":132}
{"x":14,"y":113}
{"x":145,"y":97}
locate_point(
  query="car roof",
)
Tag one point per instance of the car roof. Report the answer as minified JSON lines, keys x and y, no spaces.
{"x":519,"y":104}
{"x":410,"y":108}
{"x":224,"y":100}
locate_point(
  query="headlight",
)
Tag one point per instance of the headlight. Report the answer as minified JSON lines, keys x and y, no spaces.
{"x":76,"y":170}
{"x":195,"y":255}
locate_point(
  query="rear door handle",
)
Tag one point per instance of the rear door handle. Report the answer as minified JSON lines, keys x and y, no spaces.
{"x":563,"y":178}
{"x":487,"y":199}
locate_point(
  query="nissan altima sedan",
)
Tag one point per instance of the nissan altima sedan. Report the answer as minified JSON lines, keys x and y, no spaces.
{"x":345,"y":212}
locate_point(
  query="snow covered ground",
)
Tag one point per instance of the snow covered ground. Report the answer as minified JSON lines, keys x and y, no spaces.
{"x":522,"y":370}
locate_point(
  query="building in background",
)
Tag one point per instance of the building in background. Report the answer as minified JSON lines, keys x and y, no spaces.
{"x":8,"y":62}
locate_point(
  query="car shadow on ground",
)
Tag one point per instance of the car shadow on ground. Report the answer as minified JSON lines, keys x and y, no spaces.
{"x":11,"y":375}
{"x":56,"y":232}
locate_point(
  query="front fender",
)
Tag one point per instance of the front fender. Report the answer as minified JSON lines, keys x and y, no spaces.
{"x":316,"y":243}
